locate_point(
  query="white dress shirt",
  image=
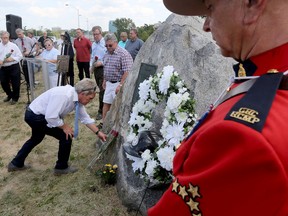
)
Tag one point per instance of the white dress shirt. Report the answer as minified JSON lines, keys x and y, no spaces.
{"x":6,"y":49}
{"x":56,"y":103}
{"x":99,"y":50}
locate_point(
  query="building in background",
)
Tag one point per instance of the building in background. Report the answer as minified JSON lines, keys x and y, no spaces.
{"x":112,"y":28}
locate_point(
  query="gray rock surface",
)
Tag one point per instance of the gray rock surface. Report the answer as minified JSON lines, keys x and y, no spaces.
{"x":179,"y":42}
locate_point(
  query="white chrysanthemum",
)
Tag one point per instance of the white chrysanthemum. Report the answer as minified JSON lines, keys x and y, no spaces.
{"x":150,"y":167}
{"x":175,"y":134}
{"x":133,"y":117}
{"x":168,"y":69}
{"x":139,"y":120}
{"x":183,"y":90}
{"x":181,"y":117}
{"x":148,"y":106}
{"x":175,"y":73}
{"x":131,"y":137}
{"x":165,"y":156}
{"x":179,"y":85}
{"x":185,"y":96}
{"x":174,"y":102}
{"x":163,"y":129}
{"x":138,"y":106}
{"x":145,"y":125}
{"x":167,"y":112}
{"x":138,"y":163}
{"x":164,"y":82}
{"x":153,"y":95}
{"x":144,"y":89}
{"x":146,"y":155}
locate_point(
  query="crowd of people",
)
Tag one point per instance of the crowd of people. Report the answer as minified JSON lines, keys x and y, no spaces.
{"x":107,"y":59}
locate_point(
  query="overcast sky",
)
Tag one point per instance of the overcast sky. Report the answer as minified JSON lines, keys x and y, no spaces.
{"x":47,"y":14}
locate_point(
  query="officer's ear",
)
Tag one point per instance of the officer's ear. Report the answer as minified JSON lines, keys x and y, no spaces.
{"x":253,"y":10}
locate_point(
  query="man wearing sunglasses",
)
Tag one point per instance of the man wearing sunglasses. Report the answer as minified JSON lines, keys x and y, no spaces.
{"x":117,"y":62}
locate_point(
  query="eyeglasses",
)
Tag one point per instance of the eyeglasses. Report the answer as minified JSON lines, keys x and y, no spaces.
{"x":109,"y":45}
{"x":96,"y":34}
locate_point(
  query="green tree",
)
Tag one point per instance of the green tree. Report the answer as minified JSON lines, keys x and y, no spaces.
{"x":145,"y":31}
{"x":123,"y":25}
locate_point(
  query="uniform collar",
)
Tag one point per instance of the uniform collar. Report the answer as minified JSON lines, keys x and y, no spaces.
{"x":276,"y":58}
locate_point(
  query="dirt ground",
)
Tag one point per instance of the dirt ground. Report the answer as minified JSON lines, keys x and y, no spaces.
{"x":37,"y":192}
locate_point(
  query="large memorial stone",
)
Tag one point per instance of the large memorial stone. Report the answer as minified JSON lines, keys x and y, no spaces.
{"x":179,"y":42}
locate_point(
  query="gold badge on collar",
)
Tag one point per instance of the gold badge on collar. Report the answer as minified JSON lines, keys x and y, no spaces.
{"x":246,"y":114}
{"x":272,"y":71}
{"x":189,"y":195}
{"x":241,"y":71}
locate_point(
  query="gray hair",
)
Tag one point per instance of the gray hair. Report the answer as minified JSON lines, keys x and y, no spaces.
{"x":110,"y":36}
{"x":30,"y":31}
{"x":19,"y":30}
{"x":86,"y":85}
{"x":97,"y":28}
{"x":5,"y":33}
{"x":124,"y":34}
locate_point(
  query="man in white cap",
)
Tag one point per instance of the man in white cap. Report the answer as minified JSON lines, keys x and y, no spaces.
{"x":236,"y":162}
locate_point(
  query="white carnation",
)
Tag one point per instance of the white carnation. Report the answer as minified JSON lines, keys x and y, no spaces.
{"x":164,"y":82}
{"x":165,"y":156}
{"x":181,"y":117}
{"x":153,"y":95}
{"x":131,"y":137}
{"x":138,"y":163}
{"x":175,"y":134}
{"x":174,"y":102}
{"x":144,"y":89}
{"x":168,"y":69}
{"x":179,"y":85}
{"x":151,"y":165}
{"x":146,"y":155}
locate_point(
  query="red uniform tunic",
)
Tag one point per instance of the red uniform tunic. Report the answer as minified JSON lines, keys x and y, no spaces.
{"x":229,"y":169}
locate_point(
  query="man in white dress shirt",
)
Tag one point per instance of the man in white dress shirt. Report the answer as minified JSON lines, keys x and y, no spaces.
{"x":45,"y":115}
{"x":10,"y":55}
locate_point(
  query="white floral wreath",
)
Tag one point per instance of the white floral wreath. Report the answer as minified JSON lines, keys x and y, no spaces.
{"x":179,"y":118}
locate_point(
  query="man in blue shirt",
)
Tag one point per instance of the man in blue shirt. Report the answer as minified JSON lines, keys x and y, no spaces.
{"x":124,"y":39}
{"x":134,"y":44}
{"x":96,"y":64}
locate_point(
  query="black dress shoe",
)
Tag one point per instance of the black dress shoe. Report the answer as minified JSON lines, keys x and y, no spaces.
{"x":7,"y":99}
{"x":11,"y":167}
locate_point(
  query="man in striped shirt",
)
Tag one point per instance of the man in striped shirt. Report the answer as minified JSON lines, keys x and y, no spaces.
{"x":117,"y":62}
